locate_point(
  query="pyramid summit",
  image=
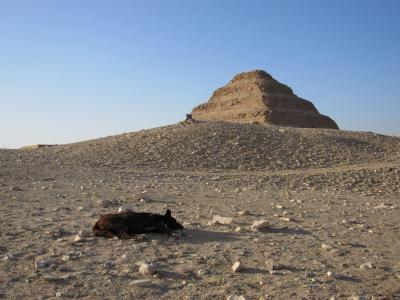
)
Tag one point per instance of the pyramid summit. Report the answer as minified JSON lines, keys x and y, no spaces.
{"x":256,"y":97}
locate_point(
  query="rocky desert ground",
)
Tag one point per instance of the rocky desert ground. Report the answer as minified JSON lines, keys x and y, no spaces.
{"x":329,"y":199}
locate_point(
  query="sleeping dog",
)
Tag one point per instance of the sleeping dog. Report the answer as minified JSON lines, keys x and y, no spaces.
{"x":129,"y":223}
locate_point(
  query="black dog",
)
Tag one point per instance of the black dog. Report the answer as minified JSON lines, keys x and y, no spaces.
{"x":129,"y":223}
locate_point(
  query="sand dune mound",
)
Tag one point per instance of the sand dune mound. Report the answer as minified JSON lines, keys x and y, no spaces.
{"x":229,"y":146}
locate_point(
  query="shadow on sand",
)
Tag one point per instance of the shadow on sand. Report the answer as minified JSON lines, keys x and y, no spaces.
{"x":286,"y":230}
{"x":195,"y":236}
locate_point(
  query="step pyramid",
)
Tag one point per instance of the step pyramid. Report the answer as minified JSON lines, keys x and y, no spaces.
{"x":256,"y":97}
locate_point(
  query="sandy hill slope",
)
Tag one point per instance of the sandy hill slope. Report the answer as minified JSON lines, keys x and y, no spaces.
{"x":330,"y":199}
{"x":228,"y":146}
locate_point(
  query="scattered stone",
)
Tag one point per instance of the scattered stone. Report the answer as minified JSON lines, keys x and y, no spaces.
{"x":65,"y":258}
{"x":80,"y":208}
{"x":285,"y":219}
{"x":270,"y":265}
{"x":326,"y":247}
{"x":243,"y":213}
{"x":235,"y":297}
{"x":141,"y":282}
{"x":9,"y":257}
{"x":203,"y":272}
{"x":220,"y":220}
{"x":41,"y":264}
{"x":367,"y":265}
{"x":126,"y":208}
{"x":58,"y":294}
{"x":330,"y":275}
{"x":237,"y":267}
{"x":84,"y":233}
{"x":147,"y":269}
{"x":78,"y":238}
{"x":238,"y":229}
{"x":259,"y":225}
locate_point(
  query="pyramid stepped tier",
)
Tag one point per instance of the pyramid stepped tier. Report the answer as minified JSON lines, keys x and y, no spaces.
{"x":256,"y":97}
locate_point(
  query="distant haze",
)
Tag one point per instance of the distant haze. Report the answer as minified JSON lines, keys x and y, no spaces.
{"x":76,"y":70}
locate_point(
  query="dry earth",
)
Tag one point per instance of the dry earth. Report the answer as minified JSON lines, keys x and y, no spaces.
{"x":331,"y":199}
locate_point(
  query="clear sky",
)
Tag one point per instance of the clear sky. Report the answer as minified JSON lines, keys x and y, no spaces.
{"x":73,"y":70}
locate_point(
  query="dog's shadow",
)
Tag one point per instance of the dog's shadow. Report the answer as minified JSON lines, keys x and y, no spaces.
{"x":195,"y":236}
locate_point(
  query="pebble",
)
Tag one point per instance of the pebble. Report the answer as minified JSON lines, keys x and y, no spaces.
{"x":41,"y":264}
{"x":203,"y":272}
{"x":235,"y":297}
{"x":80,"y":208}
{"x":326,"y":247}
{"x":270,"y":265}
{"x":220,"y":220}
{"x":330,"y":275}
{"x":259,"y":225}
{"x":367,"y":265}
{"x":243,"y":213}
{"x":141,"y":282}
{"x":58,"y":294}
{"x":84,"y":233}
{"x":237,"y":267}
{"x":9,"y":257}
{"x":78,"y":238}
{"x":147,"y":269}
{"x":65,"y":258}
{"x":126,"y":208}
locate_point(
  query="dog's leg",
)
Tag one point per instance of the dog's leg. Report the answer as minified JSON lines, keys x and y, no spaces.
{"x":163,"y":228}
{"x":123,"y":232}
{"x":103,"y":233}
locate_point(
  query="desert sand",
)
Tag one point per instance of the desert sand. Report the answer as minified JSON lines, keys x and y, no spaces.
{"x":330,"y":199}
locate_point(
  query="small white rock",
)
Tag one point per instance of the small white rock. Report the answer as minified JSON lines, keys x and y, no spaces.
{"x":84,"y":233}
{"x":221,"y":220}
{"x":243,"y":213}
{"x":330,"y":274}
{"x":147,"y":269}
{"x":65,"y":258}
{"x":41,"y":264}
{"x":203,"y":272}
{"x":259,"y":225}
{"x":235,"y":297}
{"x":79,"y":208}
{"x":237,"y":267}
{"x":126,"y":208}
{"x":78,"y":238}
{"x":270,"y":265}
{"x":58,"y":294}
{"x":367,"y":265}
{"x":326,"y":247}
{"x":9,"y":257}
{"x":141,"y":282}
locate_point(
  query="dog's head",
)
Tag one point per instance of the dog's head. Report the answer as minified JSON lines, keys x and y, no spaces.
{"x":171,"y":222}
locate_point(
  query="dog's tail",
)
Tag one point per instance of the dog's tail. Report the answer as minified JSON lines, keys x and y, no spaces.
{"x":103,"y":233}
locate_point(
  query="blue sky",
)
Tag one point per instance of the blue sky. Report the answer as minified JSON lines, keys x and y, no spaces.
{"x":74,"y":70}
